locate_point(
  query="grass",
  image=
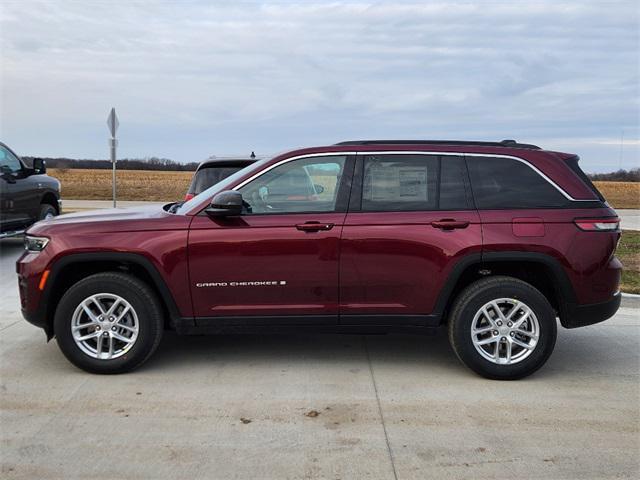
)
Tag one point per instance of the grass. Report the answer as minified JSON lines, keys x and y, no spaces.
{"x":629,"y":254}
{"x":620,"y":194}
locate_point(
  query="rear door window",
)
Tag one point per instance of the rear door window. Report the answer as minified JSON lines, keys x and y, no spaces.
{"x":399,"y":183}
{"x":505,"y":183}
{"x":393,"y":183}
{"x":453,"y":184}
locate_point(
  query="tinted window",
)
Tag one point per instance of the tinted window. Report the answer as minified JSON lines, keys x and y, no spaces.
{"x":206,"y":177}
{"x":414,"y":182}
{"x":399,"y":183}
{"x":506,"y":183}
{"x":573,"y":164}
{"x":8,"y":160}
{"x":305,"y":185}
{"x":452,"y":184}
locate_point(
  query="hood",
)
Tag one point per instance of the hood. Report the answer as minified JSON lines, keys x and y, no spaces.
{"x":112,"y":220}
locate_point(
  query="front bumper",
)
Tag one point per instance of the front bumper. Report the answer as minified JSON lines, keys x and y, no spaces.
{"x":576,"y":316}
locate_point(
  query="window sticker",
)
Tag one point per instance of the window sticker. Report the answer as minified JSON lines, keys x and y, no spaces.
{"x":413,"y":183}
{"x":398,"y":184}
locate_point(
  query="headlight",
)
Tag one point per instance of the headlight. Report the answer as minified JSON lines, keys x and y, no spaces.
{"x":35,"y":244}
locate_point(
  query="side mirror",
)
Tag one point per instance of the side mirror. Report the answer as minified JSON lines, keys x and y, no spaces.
{"x":39,"y":166}
{"x":225,"y":204}
{"x":319,"y":188}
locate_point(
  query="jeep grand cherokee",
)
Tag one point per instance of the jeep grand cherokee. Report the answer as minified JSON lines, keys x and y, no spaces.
{"x":495,"y":240}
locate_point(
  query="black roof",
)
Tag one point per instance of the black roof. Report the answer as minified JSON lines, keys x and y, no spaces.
{"x":503,"y":143}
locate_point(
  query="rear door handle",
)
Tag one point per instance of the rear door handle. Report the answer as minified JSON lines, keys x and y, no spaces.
{"x":449,"y":224}
{"x":314,"y":226}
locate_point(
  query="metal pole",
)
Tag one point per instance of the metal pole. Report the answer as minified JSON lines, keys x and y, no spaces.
{"x":112,"y":143}
{"x":112,"y":123}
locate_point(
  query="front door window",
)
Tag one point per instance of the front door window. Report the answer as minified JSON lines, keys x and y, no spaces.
{"x":299,"y":186}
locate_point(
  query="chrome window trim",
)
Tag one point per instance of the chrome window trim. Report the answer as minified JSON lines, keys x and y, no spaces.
{"x":412,"y":152}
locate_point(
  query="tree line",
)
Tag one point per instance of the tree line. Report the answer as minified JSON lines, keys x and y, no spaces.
{"x":621,"y":175}
{"x":150,"y":163}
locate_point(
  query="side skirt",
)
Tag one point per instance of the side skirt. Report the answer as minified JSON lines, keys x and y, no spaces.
{"x":348,"y":324}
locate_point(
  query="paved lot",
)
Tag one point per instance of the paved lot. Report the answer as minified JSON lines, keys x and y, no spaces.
{"x":630,"y":219}
{"x":75,"y":205}
{"x":387,"y":407}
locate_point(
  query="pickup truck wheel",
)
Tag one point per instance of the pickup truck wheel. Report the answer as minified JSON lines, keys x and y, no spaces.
{"x":47,"y":211}
{"x":502,"y":328}
{"x":108,"y":323}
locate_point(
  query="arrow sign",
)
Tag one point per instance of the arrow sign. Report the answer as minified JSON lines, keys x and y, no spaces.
{"x":112,"y":122}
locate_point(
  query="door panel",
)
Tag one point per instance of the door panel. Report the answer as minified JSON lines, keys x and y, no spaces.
{"x":265,"y":265}
{"x":396,"y":263}
{"x":281,"y":257}
{"x":411,"y":220}
{"x":27,"y":191}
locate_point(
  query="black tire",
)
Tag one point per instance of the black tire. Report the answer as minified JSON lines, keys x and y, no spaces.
{"x":46,"y":209}
{"x":141,"y":298}
{"x":473,"y":298}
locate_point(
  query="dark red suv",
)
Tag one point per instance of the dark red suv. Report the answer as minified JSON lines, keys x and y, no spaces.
{"x":494,"y":239}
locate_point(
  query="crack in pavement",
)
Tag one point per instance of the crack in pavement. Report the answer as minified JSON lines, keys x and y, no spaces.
{"x":384,"y":426}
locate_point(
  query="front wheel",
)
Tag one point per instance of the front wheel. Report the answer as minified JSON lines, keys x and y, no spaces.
{"x":502,"y":328}
{"x":47,"y":212}
{"x":108,"y":323}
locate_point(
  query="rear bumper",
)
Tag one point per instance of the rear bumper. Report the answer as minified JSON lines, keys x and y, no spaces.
{"x":582,"y":315}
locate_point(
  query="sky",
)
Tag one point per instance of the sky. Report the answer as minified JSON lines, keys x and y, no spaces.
{"x":194,"y":79}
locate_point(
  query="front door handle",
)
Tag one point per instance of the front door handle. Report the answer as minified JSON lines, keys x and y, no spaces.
{"x":314,"y":226}
{"x":449,"y":224}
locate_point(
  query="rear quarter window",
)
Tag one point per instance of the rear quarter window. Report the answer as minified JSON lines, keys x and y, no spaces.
{"x":573,"y":165}
{"x":505,"y":183}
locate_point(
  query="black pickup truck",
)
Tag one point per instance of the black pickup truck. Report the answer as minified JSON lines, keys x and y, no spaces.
{"x":26,"y":194}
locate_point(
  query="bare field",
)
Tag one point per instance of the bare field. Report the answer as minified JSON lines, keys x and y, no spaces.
{"x":620,"y":194}
{"x":85,"y":184}
{"x":141,"y":185}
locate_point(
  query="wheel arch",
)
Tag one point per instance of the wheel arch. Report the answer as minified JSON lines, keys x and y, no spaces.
{"x":50,"y":199}
{"x":69,"y":269}
{"x":538,"y":269}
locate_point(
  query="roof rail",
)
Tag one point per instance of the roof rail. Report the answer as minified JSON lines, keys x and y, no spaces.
{"x":503,"y":143}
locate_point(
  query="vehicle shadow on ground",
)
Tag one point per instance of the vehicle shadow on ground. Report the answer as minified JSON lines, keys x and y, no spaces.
{"x":576,"y":353}
{"x":176,"y":350}
{"x":11,"y":246}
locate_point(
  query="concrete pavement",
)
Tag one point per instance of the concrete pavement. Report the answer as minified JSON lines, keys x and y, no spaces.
{"x":317,"y":406}
{"x":630,"y":219}
{"x":73,"y":205}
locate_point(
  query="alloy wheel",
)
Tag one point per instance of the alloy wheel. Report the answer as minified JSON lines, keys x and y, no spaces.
{"x":505,"y":331}
{"x":105,"y":326}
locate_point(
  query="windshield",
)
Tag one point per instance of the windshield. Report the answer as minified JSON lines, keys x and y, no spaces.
{"x":219,"y":187}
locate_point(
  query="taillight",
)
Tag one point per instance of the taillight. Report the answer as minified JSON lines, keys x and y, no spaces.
{"x":598,"y":224}
{"x":188,"y":197}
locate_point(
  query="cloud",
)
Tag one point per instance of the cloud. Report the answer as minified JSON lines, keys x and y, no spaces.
{"x":191,"y":79}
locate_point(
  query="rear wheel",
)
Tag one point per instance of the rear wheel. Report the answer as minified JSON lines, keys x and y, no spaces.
{"x":502,"y":328}
{"x":108,"y":323}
